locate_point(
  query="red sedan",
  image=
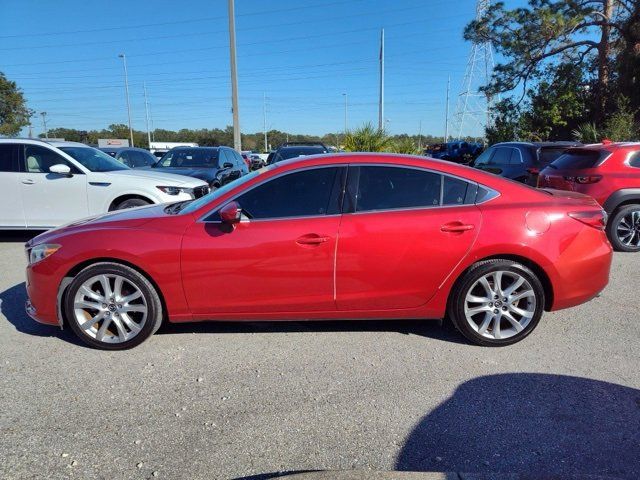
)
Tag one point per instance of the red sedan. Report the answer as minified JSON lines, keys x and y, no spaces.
{"x":353,"y":236}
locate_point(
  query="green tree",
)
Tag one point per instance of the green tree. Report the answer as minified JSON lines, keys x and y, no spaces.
{"x":621,"y":125}
{"x":578,"y":31}
{"x":14,"y":113}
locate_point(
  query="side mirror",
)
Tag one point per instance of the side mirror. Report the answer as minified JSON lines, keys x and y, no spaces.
{"x":227,"y":165}
{"x":230,"y":213}
{"x":60,"y":169}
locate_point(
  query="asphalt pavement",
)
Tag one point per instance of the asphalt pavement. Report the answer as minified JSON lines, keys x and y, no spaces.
{"x":254,"y":400}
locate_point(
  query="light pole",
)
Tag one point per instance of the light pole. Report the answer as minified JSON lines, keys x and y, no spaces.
{"x":44,"y":123}
{"x":346,"y":110}
{"x":146,"y":109}
{"x":126,"y":89}
{"x":237,"y":139}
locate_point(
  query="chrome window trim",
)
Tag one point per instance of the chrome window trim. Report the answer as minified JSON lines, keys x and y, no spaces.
{"x":495,"y":193}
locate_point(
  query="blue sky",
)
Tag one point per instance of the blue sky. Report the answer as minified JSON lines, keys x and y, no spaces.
{"x":302,"y":54}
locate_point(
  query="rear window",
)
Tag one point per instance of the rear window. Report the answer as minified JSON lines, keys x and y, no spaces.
{"x":548,"y":155}
{"x":579,"y":159}
{"x":287,"y":153}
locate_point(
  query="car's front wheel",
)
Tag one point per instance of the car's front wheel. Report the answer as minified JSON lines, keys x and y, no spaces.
{"x":131,"y":203}
{"x":497,"y":302}
{"x":112,"y":306}
{"x":623,"y":229}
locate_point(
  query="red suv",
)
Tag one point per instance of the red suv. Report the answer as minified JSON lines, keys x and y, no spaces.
{"x":610,"y":173}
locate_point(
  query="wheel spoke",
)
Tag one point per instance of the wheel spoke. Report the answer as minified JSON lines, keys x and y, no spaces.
{"x":134,"y":308}
{"x":521,"y":312}
{"x":521,"y":295}
{"x":497,"y":334}
{"x":476,"y":299}
{"x":91,"y":294}
{"x":497,"y":282}
{"x":514,"y":286}
{"x":134,"y":296}
{"x":89,"y":323}
{"x":86,"y":304}
{"x":474,"y":311}
{"x":133,"y":326}
{"x":106,"y":286}
{"x":117,"y":288}
{"x":516,"y":324}
{"x":485,"y":283}
{"x":485,"y":323}
{"x":122,"y":333}
{"x":103,"y":328}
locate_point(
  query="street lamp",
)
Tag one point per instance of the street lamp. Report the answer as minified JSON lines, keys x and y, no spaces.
{"x":346,"y":108}
{"x":126,"y":89}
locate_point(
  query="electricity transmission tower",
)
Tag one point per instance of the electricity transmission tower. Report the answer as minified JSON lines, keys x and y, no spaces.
{"x":473,"y":107}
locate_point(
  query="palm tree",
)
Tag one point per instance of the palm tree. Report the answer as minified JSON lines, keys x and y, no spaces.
{"x":367,"y":139}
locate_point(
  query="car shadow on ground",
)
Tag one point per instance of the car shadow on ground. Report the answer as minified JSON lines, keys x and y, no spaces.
{"x":12,"y":307}
{"x":433,"y":329}
{"x":528,"y":423}
{"x":13,"y":299}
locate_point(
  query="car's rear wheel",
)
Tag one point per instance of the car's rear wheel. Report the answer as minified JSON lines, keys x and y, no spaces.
{"x":623,"y":229}
{"x":497,"y":302}
{"x":112,"y":306}
{"x":131,"y":203}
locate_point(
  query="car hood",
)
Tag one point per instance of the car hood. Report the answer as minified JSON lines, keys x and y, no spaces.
{"x":168,"y":178}
{"x":201,"y":173}
{"x":131,"y":217}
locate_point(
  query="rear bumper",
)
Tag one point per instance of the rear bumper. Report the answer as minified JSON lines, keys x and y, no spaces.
{"x":582,"y":271}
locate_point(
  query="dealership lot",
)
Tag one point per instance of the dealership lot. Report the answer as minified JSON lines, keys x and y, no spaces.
{"x":222,"y":400}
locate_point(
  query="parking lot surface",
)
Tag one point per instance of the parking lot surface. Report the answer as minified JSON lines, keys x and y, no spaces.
{"x":244,"y":400}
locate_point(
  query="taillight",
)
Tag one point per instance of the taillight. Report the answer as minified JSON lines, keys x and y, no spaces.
{"x":595,"y":219}
{"x":584,"y":179}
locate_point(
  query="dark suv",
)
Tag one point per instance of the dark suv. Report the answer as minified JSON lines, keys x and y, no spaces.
{"x":296,"y":149}
{"x":458,"y":151}
{"x":215,"y":165}
{"x":521,"y":161}
{"x":131,"y":156}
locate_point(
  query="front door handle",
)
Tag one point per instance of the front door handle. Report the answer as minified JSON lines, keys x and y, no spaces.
{"x":312,"y":239}
{"x":28,"y":181}
{"x":456,"y":227}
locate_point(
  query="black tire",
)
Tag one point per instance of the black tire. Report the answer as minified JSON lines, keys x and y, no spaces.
{"x":463,"y":286}
{"x":131,"y":203}
{"x":615,"y":223}
{"x":151,"y":298}
{"x":214,"y":186}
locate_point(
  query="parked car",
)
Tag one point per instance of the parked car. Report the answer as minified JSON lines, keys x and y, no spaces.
{"x":458,"y":151}
{"x":256,"y":161}
{"x":521,"y":161}
{"x":247,"y":160}
{"x":215,"y":165}
{"x":610,"y":173}
{"x":355,"y":236}
{"x":131,"y":156}
{"x":46,"y":184}
{"x":296,"y":149}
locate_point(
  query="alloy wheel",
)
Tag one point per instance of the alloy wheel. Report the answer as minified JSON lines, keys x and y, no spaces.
{"x":628,"y":229}
{"x":110,"y":308}
{"x":500,"y":305}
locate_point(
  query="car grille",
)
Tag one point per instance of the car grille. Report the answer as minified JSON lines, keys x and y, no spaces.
{"x":200,"y":191}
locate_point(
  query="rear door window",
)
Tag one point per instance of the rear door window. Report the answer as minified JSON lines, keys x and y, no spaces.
{"x":579,"y":159}
{"x":634,"y":161}
{"x":502,"y":156}
{"x":9,"y":157}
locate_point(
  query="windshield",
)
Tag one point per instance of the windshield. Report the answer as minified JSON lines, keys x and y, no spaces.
{"x":93,"y":159}
{"x":192,"y":157}
{"x":217,"y":193}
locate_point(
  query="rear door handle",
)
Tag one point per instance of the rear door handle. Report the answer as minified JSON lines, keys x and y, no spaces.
{"x":456,"y":227}
{"x":311,"y":239}
{"x":28,"y":181}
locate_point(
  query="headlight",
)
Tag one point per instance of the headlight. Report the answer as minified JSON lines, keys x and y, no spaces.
{"x":176,"y":190}
{"x":40,"y":252}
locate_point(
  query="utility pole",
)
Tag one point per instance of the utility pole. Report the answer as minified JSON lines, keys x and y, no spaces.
{"x":446,"y":118}
{"x":237,"y":141}
{"x":381,"y":99}
{"x":44,"y":123}
{"x":420,"y":136}
{"x":346,"y":110}
{"x":126,"y":89}
{"x":264,"y":119}
{"x":30,"y":128}
{"x":146,"y":109}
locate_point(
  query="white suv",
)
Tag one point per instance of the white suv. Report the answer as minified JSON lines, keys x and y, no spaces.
{"x":46,"y":184}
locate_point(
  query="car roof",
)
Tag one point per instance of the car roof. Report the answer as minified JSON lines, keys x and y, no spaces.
{"x":37,"y":141}
{"x":198,"y":148}
{"x":611,"y":147}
